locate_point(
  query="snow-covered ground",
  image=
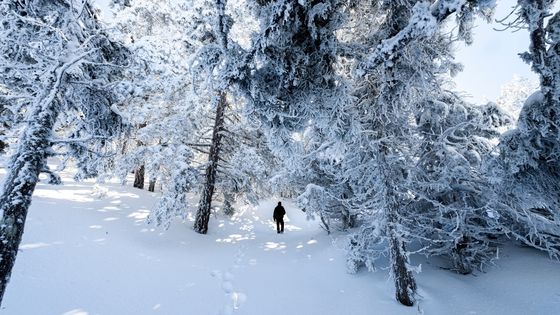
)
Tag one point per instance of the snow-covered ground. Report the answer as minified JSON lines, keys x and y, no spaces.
{"x":87,"y":250}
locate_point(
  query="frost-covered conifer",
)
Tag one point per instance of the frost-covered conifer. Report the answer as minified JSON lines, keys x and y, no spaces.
{"x":245,"y":165}
{"x":315,"y":174}
{"x":58,"y":71}
{"x":514,"y":93}
{"x":295,"y":86}
{"x":224,"y":63}
{"x":298,"y":98}
{"x":170,"y":117}
{"x":378,"y":173}
{"x":400,"y":74}
{"x":185,"y":108}
{"x":454,"y":213}
{"x":531,"y":152}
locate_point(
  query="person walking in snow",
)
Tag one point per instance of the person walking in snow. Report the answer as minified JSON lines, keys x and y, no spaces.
{"x":278,"y":216}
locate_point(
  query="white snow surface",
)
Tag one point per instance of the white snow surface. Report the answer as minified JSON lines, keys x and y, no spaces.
{"x":87,"y":250}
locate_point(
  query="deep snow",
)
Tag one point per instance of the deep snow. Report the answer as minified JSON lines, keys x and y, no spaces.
{"x":87,"y":250}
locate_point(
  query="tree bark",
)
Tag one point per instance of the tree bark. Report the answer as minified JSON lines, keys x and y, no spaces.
{"x":545,"y":61}
{"x":405,"y":284}
{"x":228,"y":204}
{"x":204,"y":206}
{"x":3,"y":146}
{"x":152,"y":185}
{"x":139,"y":177}
{"x":22,"y":178}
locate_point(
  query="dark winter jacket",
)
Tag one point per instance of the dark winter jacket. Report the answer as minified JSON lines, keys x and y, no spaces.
{"x":279,"y":213}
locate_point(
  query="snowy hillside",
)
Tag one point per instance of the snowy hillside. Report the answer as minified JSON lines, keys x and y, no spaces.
{"x":87,"y":250}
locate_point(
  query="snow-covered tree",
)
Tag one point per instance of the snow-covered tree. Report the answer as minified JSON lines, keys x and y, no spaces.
{"x":245,"y":165}
{"x":224,"y":63}
{"x":379,"y":172}
{"x":296,"y":95}
{"x":398,"y":78}
{"x":58,"y":69}
{"x":455,"y":210}
{"x":186,"y":112}
{"x":294,"y":85}
{"x":322,"y":193}
{"x":514,"y":93}
{"x":531,"y":183}
{"x":170,"y":117}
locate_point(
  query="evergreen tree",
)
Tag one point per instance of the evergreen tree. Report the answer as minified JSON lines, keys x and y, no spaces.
{"x":531,"y":182}
{"x":455,"y":210}
{"x":296,"y":96}
{"x":63,"y":69}
{"x":184,"y":104}
{"x":224,"y":62}
{"x":396,"y":80}
{"x":514,"y":93}
{"x":171,"y":118}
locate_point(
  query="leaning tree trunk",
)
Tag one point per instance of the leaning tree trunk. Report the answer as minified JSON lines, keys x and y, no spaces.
{"x":139,"y":177}
{"x":20,"y":182}
{"x":203,"y":213}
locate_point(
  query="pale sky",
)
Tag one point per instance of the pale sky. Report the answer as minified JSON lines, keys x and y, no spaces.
{"x":490,"y":62}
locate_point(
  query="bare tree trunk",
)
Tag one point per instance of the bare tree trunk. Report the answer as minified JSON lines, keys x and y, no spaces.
{"x":325,"y":224}
{"x":152,"y":185}
{"x":139,"y":177}
{"x":124,"y":147}
{"x":348,"y":219}
{"x":21,"y":180}
{"x":204,"y":206}
{"x":3,"y":146}
{"x":405,"y":284}
{"x":228,"y":204}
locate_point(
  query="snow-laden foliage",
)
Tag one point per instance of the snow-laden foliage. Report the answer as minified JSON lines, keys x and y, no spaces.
{"x":184,"y":69}
{"x":424,"y":20}
{"x":165,"y":107}
{"x":247,"y":165}
{"x":174,"y":203}
{"x":45,"y":39}
{"x":531,"y":152}
{"x":294,"y":86}
{"x":514,"y":93}
{"x":398,"y":82}
{"x":59,"y":77}
{"x":455,"y":212}
{"x":531,"y":183}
